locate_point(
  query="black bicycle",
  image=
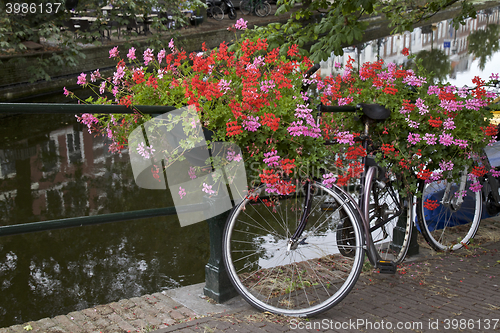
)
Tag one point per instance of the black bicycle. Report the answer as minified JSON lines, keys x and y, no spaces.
{"x":259,"y":7}
{"x":228,"y":7}
{"x":214,"y":11}
{"x":217,"y":9}
{"x":449,"y":212}
{"x":300,"y":253}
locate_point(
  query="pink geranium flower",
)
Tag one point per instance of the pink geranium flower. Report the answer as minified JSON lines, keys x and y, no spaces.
{"x":82,"y":79}
{"x":241,"y":24}
{"x":131,"y":53}
{"x":113,"y":53}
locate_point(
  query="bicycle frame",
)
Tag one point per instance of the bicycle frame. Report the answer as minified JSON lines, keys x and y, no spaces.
{"x":364,"y":198}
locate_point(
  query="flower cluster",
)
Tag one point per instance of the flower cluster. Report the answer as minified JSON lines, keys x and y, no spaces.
{"x":251,"y":95}
{"x":432,"y":128}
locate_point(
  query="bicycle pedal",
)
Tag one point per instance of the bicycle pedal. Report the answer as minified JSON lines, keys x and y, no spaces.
{"x":329,"y":206}
{"x":386,"y":267}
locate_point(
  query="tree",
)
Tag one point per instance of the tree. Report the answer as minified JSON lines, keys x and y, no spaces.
{"x":484,"y":43}
{"x":436,"y":63}
{"x":49,"y":23}
{"x":324,"y":26}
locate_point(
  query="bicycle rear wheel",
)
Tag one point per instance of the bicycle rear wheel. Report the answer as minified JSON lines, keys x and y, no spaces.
{"x":310,"y":276}
{"x":245,"y":7}
{"x":445,"y":222}
{"x":390,"y":216}
{"x":263,"y":9}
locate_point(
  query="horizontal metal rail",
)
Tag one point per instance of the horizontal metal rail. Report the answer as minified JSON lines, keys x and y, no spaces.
{"x":24,"y":228}
{"x":52,"y":108}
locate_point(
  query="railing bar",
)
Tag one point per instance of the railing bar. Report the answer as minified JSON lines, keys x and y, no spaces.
{"x":51,"y":108}
{"x":24,"y":228}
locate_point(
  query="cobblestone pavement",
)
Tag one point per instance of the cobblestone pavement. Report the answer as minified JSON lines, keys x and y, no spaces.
{"x":452,"y":293}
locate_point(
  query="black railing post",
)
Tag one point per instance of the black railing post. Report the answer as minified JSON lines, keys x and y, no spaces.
{"x":217,"y":284}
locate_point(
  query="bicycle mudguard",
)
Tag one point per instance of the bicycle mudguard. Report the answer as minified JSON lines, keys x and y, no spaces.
{"x":370,"y":161}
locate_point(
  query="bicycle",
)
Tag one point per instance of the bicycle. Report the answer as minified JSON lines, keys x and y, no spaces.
{"x":259,"y":7}
{"x":228,"y":7}
{"x":299,"y":252}
{"x":214,"y":11}
{"x":449,"y":213}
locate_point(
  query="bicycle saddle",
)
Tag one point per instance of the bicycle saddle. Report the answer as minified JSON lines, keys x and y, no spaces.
{"x":374,"y":111}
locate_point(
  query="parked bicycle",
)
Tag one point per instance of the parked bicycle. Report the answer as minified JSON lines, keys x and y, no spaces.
{"x":217,"y":10}
{"x":259,"y":7}
{"x":449,"y":213}
{"x":301,"y":252}
{"x":228,"y":7}
{"x":214,"y":11}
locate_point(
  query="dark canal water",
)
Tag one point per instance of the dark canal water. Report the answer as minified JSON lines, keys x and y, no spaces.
{"x":51,"y":167}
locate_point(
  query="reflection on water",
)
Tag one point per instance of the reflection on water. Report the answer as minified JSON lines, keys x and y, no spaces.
{"x":64,"y":172}
{"x":50,"y":168}
{"x":454,"y":55}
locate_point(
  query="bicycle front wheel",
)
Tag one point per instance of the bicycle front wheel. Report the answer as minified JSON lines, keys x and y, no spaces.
{"x":448,"y":217}
{"x":304,"y":278}
{"x":390,"y":216}
{"x":232,"y":13}
{"x":245,"y":7}
{"x":217,"y":13}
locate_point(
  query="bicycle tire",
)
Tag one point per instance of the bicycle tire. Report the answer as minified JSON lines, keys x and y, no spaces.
{"x":217,"y":13}
{"x":310,"y":278}
{"x":389,"y":231}
{"x":232,"y":14}
{"x":246,"y":7}
{"x":263,"y":9}
{"x":447,"y":227}
{"x":209,"y":11}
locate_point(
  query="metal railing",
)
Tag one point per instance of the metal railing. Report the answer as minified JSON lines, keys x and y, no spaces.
{"x":217,"y":285}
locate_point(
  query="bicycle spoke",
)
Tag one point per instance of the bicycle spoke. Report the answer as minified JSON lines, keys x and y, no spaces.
{"x":294,"y":279}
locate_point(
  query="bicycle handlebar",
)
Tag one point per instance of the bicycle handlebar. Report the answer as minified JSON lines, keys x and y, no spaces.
{"x":372,"y":111}
{"x":308,"y":74}
{"x":333,"y":108}
{"x":312,"y":70}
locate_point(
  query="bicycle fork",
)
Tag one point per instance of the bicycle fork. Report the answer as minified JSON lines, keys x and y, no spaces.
{"x":455,"y":202}
{"x":294,"y":242}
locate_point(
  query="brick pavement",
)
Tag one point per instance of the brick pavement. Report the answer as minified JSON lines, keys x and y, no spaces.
{"x":434,"y":291}
{"x":138,"y":314}
{"x":451,"y":293}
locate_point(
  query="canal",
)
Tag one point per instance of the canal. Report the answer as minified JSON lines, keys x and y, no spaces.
{"x":51,"y":168}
